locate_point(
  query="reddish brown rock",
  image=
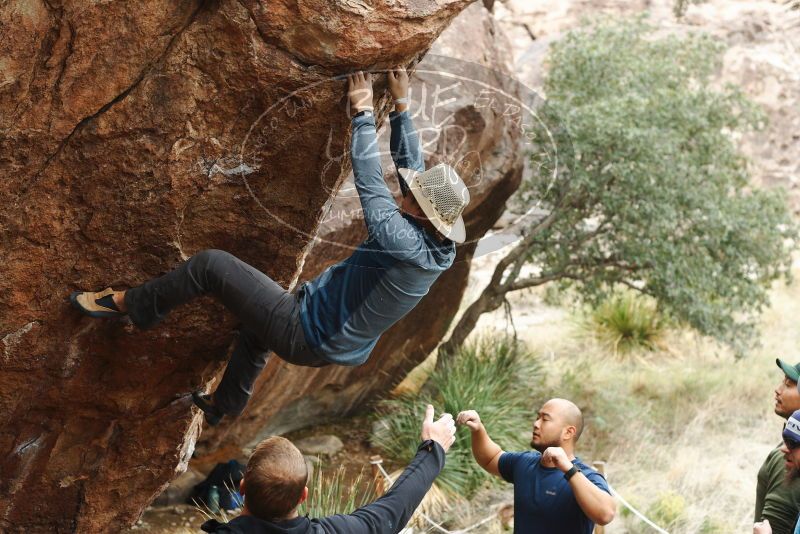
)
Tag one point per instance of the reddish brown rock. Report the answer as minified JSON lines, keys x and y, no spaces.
{"x":133,"y":134}
{"x":477,"y":135}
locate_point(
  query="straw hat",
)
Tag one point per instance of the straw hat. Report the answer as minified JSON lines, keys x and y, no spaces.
{"x":442,"y":195}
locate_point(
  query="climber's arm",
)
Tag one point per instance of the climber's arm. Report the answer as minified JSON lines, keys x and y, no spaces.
{"x":376,"y":200}
{"x":404,"y":141}
{"x":391,"y":513}
{"x":404,"y":145}
{"x":385,"y":224}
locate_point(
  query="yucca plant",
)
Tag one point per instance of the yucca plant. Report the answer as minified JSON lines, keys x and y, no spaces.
{"x":494,"y":376}
{"x":335,"y":493}
{"x":627,"y":322}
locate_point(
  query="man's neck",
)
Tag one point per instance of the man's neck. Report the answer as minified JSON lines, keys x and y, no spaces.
{"x":428,"y":226}
{"x":292,"y":515}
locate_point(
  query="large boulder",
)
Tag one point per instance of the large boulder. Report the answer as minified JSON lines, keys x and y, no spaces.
{"x":465,"y":106}
{"x":135,"y":134}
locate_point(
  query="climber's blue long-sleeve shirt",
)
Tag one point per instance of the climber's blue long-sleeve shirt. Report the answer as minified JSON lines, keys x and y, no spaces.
{"x":346,"y":308}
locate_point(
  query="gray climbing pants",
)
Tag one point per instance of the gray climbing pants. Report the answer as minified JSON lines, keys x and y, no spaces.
{"x":269,"y":314}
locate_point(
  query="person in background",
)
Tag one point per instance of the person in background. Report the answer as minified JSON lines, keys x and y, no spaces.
{"x":790,"y":452}
{"x":554,"y":492}
{"x":778,"y":498}
{"x":274,"y":485}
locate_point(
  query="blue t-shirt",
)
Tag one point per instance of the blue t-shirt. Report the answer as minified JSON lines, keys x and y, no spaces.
{"x":543,"y":499}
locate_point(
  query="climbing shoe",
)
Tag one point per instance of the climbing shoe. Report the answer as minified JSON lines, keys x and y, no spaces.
{"x":212,"y":413}
{"x":99,"y":305}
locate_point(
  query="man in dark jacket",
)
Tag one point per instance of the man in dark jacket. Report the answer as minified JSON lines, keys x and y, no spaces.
{"x":274,"y":485}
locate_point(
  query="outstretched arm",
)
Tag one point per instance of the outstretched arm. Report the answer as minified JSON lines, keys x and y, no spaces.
{"x":404,"y":140}
{"x":486,"y":452}
{"x":391,"y":513}
{"x":385,"y":224}
{"x":376,"y":200}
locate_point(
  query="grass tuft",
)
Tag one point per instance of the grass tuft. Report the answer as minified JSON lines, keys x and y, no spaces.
{"x":335,"y":493}
{"x":626,"y":323}
{"x":668,"y":510}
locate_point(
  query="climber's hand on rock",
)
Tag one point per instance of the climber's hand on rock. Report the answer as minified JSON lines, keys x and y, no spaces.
{"x":442,"y":431}
{"x":359,"y":91}
{"x":398,"y":82}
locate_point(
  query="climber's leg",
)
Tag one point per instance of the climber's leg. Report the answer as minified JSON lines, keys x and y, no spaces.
{"x":247,"y":361}
{"x":244,"y":290}
{"x":283,"y":334}
{"x":269,"y":314}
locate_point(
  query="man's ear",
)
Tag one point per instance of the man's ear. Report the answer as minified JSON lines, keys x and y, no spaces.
{"x":570,"y":432}
{"x":241,"y":487}
{"x":303,"y":497}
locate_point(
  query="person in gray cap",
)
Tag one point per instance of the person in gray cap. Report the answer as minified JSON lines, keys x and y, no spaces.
{"x":777,"y":497}
{"x":790,"y":455}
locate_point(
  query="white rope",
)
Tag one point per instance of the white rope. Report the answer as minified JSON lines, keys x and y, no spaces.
{"x":636,"y":512}
{"x":440,"y":528}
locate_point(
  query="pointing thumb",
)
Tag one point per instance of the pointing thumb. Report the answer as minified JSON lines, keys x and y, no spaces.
{"x":429,"y":414}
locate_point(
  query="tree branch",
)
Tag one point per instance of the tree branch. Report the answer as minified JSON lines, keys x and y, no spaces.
{"x":520,"y":248}
{"x":533,"y":281}
{"x":603,"y":263}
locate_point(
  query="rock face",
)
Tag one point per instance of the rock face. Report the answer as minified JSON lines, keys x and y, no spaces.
{"x":459,"y":108}
{"x":327,"y":445}
{"x":132,"y":135}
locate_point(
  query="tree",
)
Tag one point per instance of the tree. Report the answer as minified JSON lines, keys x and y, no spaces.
{"x":650,"y":191}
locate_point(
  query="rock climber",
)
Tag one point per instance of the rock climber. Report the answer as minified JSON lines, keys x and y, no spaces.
{"x":337,"y":317}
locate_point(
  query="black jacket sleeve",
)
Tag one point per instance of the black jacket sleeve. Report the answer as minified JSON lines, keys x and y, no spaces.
{"x":391,"y":513}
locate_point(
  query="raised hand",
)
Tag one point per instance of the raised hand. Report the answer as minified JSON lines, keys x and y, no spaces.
{"x":398,"y":82}
{"x":442,"y":431}
{"x":471,"y":419}
{"x":359,"y":91}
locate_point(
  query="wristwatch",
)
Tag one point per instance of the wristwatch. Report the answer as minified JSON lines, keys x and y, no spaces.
{"x":571,"y":473}
{"x":427,"y":445}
